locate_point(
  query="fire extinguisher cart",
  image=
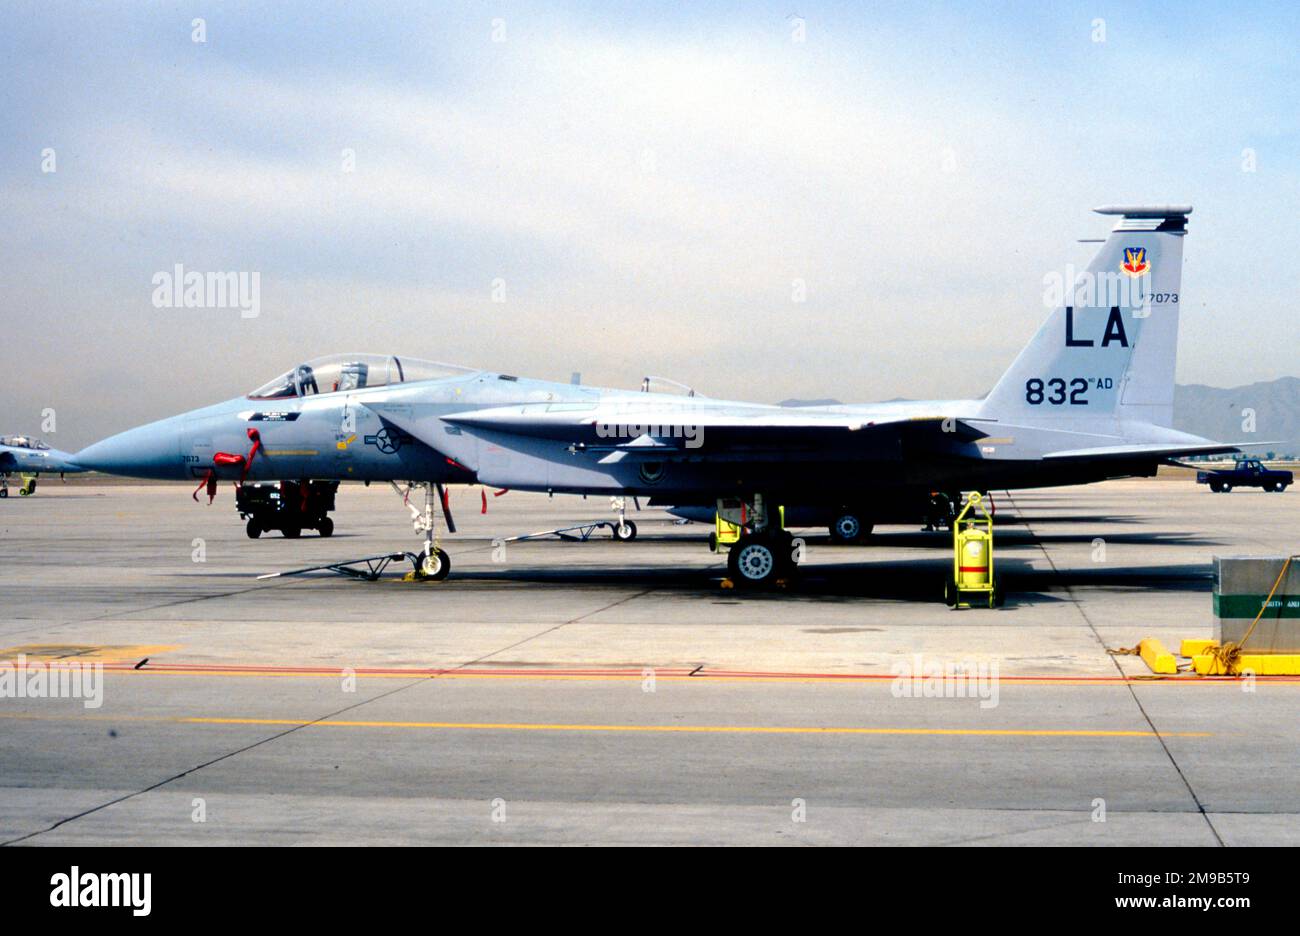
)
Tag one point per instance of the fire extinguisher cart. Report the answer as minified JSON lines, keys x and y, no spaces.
{"x":973,"y":579}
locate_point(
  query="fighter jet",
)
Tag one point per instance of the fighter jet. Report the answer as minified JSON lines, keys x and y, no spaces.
{"x":1089,"y":398}
{"x":28,"y":458}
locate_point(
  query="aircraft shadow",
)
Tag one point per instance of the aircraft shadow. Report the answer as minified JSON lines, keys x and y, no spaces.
{"x":912,"y":580}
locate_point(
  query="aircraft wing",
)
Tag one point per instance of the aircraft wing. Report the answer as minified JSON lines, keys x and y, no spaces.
{"x":723,"y":427}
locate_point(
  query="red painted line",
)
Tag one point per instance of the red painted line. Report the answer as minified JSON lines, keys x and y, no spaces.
{"x":414,"y":672}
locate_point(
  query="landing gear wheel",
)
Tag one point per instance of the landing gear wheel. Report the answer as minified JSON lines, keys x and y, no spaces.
{"x":326,"y":527}
{"x":849,"y":528}
{"x":292,"y":532}
{"x":754,"y":561}
{"x":846,"y":528}
{"x":786,"y":565}
{"x":626,"y":532}
{"x":253,"y":529}
{"x":433,"y":567}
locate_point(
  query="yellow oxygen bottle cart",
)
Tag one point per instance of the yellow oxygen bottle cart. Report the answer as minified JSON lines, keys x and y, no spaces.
{"x":972,"y":561}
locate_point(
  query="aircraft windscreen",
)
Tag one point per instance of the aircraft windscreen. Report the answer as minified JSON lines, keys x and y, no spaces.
{"x":345,"y":372}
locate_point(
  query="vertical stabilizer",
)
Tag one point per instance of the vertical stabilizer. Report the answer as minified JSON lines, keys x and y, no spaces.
{"x":1109,"y":346}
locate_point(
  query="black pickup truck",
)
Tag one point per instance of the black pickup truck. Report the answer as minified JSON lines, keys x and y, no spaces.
{"x":1249,"y":472}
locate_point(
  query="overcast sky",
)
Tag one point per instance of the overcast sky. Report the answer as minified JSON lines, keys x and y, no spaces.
{"x":643,"y":184}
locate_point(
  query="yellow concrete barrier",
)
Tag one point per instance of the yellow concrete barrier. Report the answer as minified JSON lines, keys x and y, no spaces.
{"x":1261,"y":664}
{"x":1196,"y":646}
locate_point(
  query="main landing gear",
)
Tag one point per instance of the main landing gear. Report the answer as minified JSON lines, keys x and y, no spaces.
{"x":765,"y":552}
{"x":849,"y":527}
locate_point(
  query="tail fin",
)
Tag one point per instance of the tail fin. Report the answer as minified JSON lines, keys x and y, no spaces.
{"x":1109,"y":346}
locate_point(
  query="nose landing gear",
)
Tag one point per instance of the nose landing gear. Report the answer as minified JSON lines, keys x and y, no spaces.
{"x":432,"y":563}
{"x":625,"y":529}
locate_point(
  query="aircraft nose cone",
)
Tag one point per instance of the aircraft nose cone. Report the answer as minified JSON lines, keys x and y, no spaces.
{"x":150,"y":451}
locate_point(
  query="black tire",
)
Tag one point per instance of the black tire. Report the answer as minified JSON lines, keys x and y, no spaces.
{"x":435,"y":571}
{"x":254,"y":530}
{"x":786,"y":565}
{"x":754,"y":561}
{"x":1216,"y":487}
{"x":625,"y":533}
{"x":1281,"y":488}
{"x":997,"y":598}
{"x":848,"y":527}
{"x":291,"y":532}
{"x":1227,"y":489}
{"x":4,"y":492}
{"x":326,"y":527}
{"x":1269,"y":487}
{"x":713,"y":541}
{"x":950,"y":593}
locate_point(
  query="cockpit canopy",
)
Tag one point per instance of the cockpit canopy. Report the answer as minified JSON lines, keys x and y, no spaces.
{"x":343,"y":372}
{"x":27,"y":442}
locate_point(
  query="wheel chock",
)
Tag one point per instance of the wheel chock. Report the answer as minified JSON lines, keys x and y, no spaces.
{"x":1155,"y":656}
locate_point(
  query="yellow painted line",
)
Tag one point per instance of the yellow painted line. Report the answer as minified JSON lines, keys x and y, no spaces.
{"x":616,"y":729}
{"x":708,"y":729}
{"x":290,"y":452}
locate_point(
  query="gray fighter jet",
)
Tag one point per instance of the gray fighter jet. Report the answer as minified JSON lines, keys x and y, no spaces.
{"x":29,"y":458}
{"x":1089,"y":398}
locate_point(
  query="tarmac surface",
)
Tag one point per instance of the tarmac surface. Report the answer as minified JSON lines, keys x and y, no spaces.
{"x":598,"y":692}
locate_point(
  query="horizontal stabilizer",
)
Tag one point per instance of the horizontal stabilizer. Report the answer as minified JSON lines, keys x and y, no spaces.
{"x":1154,"y":450}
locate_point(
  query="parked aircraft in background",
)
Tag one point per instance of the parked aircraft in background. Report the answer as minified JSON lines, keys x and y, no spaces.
{"x":28,"y":457}
{"x":1089,"y":398}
